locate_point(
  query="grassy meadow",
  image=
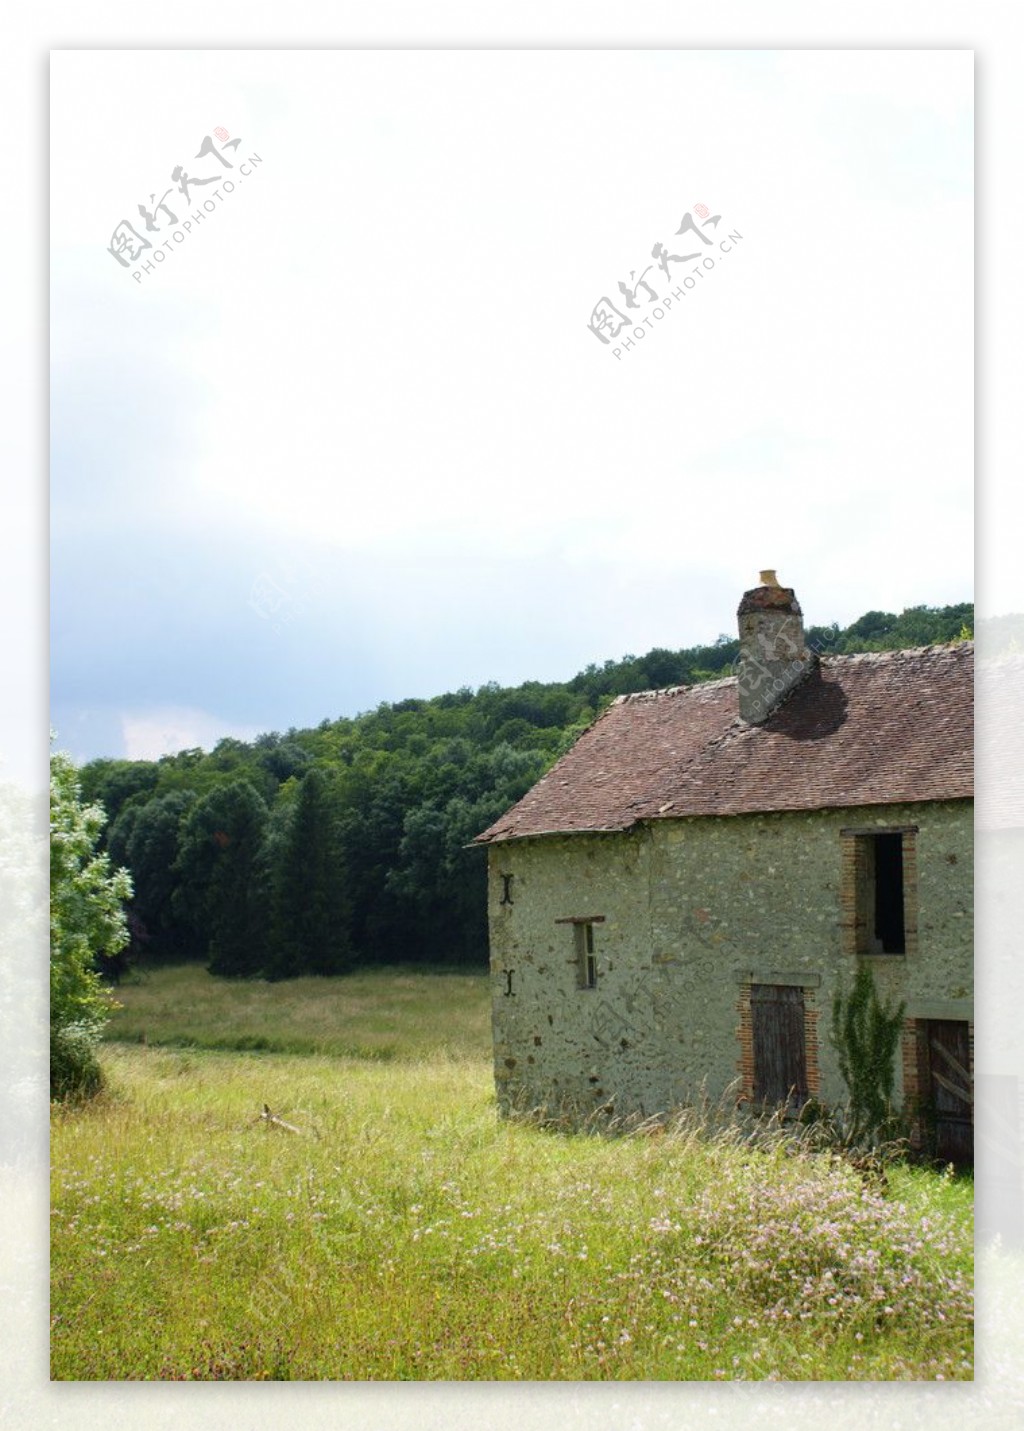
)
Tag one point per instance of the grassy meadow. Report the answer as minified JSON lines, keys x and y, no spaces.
{"x":405,"y":1232}
{"x":373,"y":1014}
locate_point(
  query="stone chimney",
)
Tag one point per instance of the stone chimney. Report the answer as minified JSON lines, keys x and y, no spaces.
{"x":773,"y":652}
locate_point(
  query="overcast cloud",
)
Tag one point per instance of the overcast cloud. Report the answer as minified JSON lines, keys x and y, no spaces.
{"x":353,"y":440}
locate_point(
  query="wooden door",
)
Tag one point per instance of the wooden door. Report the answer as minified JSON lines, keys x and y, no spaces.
{"x":780,"y":1051}
{"x":950,"y":1089}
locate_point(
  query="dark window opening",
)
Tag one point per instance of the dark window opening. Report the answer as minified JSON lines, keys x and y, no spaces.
{"x":877,"y":864}
{"x":586,"y":960}
{"x":889,"y":926}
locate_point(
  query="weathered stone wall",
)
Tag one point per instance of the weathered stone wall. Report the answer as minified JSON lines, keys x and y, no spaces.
{"x":553,"y":1041}
{"x":691,"y":909}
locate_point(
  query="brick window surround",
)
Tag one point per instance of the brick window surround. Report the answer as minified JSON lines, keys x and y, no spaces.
{"x":855,"y":891}
{"x":745,"y":1033}
{"x":916,"y":1063}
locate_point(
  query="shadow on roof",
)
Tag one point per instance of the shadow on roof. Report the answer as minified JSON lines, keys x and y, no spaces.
{"x":816,"y":709}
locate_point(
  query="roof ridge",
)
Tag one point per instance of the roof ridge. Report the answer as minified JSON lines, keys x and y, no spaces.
{"x":950,"y":647}
{"x":828,"y":656}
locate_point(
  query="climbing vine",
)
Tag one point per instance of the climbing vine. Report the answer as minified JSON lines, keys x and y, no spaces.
{"x":866,"y":1035}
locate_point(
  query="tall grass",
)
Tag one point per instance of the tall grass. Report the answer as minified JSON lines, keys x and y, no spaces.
{"x":406,"y":1232}
{"x":374,"y":1013}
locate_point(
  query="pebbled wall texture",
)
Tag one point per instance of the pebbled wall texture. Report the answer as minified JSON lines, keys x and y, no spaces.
{"x":687,"y":913}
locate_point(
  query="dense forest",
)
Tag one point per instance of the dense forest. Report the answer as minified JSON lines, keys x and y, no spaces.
{"x":318,"y":850}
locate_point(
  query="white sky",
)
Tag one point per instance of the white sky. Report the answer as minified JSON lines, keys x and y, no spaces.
{"x":369,"y":374}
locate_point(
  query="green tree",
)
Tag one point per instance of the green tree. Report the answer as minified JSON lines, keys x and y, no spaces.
{"x":441,"y":884}
{"x":87,"y":922}
{"x":371,"y":835}
{"x":152,"y":841}
{"x":310,"y":930}
{"x":866,"y":1034}
{"x":223,"y":888}
{"x":113,"y":783}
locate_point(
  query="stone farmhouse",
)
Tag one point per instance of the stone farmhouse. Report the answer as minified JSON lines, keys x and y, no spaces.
{"x":674,"y":904}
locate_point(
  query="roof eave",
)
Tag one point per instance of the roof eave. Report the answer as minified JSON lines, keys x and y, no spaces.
{"x":503,"y":839}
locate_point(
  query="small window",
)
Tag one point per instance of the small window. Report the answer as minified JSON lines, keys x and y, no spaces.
{"x":583,"y":947}
{"x":586,"y":962}
{"x":881,"y":920}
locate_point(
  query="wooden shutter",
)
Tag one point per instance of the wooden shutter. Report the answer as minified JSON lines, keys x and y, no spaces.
{"x":780,"y":1051}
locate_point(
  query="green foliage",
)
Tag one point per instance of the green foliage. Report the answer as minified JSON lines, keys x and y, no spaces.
{"x":406,"y":788}
{"x":866,"y":1035}
{"x":147,"y":838}
{"x":87,"y":922}
{"x":115,"y":783}
{"x":311,"y":915}
{"x":75,"y":1071}
{"x":916,"y":626}
{"x":223,"y":886}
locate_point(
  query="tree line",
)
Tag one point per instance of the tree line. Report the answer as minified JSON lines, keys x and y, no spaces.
{"x":313,"y":851}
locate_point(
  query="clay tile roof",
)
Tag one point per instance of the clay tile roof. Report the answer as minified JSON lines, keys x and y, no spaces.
{"x":888,"y":728}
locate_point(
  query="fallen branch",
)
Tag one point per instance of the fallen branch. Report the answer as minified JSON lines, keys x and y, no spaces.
{"x":267,"y":1117}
